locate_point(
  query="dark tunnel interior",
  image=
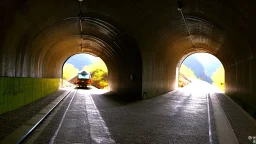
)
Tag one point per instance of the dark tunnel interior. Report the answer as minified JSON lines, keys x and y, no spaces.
{"x":146,"y":39}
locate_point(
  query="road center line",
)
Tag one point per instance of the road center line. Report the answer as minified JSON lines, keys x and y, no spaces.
{"x":98,"y":129}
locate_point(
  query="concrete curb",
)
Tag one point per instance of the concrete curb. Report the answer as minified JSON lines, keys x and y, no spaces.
{"x":224,"y":130}
{"x":21,"y":133}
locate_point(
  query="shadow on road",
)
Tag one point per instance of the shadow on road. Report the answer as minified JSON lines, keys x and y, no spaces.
{"x":112,"y":99}
{"x":86,"y":88}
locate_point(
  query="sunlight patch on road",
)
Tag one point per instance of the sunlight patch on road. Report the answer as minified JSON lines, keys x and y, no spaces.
{"x":201,"y":87}
{"x":98,"y":129}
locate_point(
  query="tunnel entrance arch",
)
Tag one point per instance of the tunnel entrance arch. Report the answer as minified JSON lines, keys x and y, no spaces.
{"x":200,"y":66}
{"x":85,"y":63}
{"x":97,"y":36}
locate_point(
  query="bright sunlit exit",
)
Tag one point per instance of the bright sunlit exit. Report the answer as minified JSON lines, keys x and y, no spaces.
{"x":202,"y":67}
{"x":84,"y":70}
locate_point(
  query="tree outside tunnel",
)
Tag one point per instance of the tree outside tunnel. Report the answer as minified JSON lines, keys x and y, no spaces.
{"x":203,"y":67}
{"x":87,"y":62}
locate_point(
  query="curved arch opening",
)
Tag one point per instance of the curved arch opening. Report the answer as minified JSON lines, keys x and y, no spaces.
{"x":203,"y":68}
{"x":93,"y":65}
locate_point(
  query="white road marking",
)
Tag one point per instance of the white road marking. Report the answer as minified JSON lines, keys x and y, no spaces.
{"x":209,"y":120}
{"x":62,"y":119}
{"x":224,"y":129}
{"x":98,"y":129}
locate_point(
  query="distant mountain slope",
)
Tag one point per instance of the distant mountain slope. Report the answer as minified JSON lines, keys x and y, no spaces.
{"x":79,"y":61}
{"x":211,"y":68}
{"x":197,"y":68}
{"x":209,"y":61}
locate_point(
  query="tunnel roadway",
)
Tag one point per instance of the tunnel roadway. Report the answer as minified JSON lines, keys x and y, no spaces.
{"x":95,"y":116}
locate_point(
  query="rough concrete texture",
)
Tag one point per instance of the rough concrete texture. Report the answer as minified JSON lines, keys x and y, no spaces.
{"x":16,"y":92}
{"x":146,"y":39}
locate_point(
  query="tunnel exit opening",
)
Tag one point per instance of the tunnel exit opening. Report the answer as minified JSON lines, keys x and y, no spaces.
{"x":85,"y":70}
{"x":201,"y":67}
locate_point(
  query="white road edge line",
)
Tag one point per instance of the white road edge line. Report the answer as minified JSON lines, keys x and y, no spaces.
{"x":38,"y":130}
{"x":209,"y":120}
{"x":21,"y":134}
{"x":62,"y":119}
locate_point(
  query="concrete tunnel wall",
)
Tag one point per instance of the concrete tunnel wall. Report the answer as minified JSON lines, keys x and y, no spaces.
{"x":18,"y":91}
{"x":143,"y":38}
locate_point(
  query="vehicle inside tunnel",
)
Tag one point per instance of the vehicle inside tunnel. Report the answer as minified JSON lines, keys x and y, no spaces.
{"x":94,"y":67}
{"x":201,"y":67}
